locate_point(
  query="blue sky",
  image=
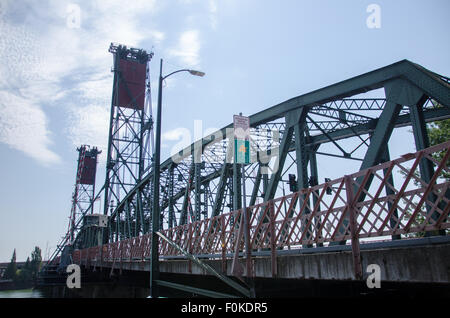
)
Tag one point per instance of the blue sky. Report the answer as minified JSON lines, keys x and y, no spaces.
{"x":55,"y":79}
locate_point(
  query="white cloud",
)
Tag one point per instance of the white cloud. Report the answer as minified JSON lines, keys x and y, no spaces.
{"x":25,"y":83}
{"x":213,"y":13}
{"x":175,"y":134}
{"x":187,"y":48}
{"x":182,"y":135}
{"x":89,"y":125}
{"x":23,"y":126}
{"x":156,"y":36}
{"x":49,"y":64}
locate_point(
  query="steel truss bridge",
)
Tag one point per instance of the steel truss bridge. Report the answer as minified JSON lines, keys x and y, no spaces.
{"x":201,"y":199}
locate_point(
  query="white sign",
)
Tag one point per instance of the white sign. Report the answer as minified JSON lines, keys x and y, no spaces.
{"x":241,"y":127}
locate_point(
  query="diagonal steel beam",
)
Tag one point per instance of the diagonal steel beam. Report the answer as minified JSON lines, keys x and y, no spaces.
{"x":207,"y":268}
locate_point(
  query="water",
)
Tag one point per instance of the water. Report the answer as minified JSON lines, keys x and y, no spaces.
{"x":21,"y":293}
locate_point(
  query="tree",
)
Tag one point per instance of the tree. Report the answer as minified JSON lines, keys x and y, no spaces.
{"x":11,"y":270}
{"x":35,"y":264}
{"x":25,"y":274}
{"x":439,"y":132}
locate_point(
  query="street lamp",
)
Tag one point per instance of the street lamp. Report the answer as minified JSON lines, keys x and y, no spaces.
{"x":154,"y":257}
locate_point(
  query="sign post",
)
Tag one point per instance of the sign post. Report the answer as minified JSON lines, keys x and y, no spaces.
{"x":242,"y":157}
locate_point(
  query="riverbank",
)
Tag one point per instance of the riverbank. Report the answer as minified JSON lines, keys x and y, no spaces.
{"x":21,"y":293}
{"x":11,"y":285}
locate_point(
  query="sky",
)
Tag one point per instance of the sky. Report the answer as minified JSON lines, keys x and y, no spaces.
{"x":56,"y":80}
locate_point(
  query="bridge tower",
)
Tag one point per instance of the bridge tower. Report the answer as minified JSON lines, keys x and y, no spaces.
{"x":130,"y":141}
{"x":83,"y":195}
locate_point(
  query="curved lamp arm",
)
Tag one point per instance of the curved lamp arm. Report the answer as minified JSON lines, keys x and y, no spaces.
{"x":193,"y":72}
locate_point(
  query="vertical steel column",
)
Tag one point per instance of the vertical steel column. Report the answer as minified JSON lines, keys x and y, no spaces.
{"x":237,"y":186}
{"x":205,"y":199}
{"x":117,"y":227}
{"x":149,"y":204}
{"x":273,"y":246}
{"x":109,"y":162}
{"x":265,"y":178}
{"x":422,"y":141}
{"x":140,"y":208}
{"x":170,"y":195}
{"x":301,"y":153}
{"x":314,"y":180}
{"x":248,"y":251}
{"x":302,"y":156}
{"x":224,"y":248}
{"x":128,"y":217}
{"x":154,"y":258}
{"x":197,"y":184}
{"x":352,"y":215}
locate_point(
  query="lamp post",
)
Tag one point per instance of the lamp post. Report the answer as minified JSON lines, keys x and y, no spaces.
{"x":154,"y":257}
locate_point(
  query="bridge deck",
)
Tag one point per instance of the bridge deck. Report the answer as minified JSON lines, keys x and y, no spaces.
{"x":411,"y":260}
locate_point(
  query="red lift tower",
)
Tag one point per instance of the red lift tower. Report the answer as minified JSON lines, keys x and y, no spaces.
{"x":83,"y":195}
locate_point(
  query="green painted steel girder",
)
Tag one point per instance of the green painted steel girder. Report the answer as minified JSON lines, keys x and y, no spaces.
{"x":417,"y":78}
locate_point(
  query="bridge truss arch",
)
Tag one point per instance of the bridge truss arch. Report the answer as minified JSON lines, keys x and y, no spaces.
{"x":202,"y":181}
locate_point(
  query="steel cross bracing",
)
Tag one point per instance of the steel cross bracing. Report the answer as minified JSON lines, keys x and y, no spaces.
{"x":201,"y":182}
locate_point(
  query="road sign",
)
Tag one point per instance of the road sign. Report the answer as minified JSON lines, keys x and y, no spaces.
{"x":241,"y":139}
{"x":241,"y":127}
{"x":241,"y":151}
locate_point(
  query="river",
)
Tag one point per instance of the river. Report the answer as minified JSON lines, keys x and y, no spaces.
{"x":21,"y":293}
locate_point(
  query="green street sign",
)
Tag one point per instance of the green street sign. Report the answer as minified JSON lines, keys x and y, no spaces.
{"x":241,"y":151}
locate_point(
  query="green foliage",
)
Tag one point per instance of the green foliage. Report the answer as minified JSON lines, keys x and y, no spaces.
{"x":25,"y":274}
{"x":35,"y":264}
{"x":439,"y":132}
{"x":29,"y":271}
{"x":11,"y":270}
